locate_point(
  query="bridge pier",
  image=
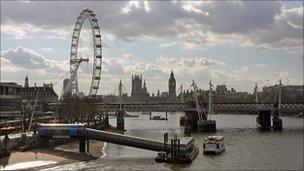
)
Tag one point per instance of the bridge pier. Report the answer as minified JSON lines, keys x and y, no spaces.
{"x":120,"y":120}
{"x":191,"y":121}
{"x":88,"y":145}
{"x":193,"y":124}
{"x":107,"y":124}
{"x":182,"y":121}
{"x":82,"y":145}
{"x":206,"y":126}
{"x":264,"y":119}
{"x":277,"y":122}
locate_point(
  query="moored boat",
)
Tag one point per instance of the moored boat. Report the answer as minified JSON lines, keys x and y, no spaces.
{"x":214,"y":144}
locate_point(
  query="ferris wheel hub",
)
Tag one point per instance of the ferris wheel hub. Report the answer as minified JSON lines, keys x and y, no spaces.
{"x":79,"y":60}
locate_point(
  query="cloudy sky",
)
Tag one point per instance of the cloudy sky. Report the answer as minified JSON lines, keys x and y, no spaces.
{"x":236,"y":43}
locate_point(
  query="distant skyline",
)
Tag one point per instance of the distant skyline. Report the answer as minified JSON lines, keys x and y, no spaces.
{"x":236,"y":43}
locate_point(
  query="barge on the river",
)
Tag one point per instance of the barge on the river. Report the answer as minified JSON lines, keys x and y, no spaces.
{"x":182,"y":151}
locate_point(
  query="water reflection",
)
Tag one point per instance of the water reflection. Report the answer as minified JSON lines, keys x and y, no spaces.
{"x":27,"y":165}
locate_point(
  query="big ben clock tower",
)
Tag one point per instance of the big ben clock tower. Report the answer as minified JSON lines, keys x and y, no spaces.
{"x":172,"y":86}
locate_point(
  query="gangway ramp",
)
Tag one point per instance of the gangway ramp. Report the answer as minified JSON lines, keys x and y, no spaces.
{"x":125,"y":140}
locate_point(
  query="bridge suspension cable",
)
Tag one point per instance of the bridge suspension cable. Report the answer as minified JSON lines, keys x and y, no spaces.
{"x":60,"y":70}
{"x":199,"y":106}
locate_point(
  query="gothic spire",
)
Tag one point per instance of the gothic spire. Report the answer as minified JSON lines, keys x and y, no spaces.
{"x":172,"y":74}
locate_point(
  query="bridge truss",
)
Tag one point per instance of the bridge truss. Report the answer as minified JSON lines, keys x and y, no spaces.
{"x":182,"y":107}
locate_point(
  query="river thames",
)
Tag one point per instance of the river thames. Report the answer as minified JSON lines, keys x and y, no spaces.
{"x":246,"y":147}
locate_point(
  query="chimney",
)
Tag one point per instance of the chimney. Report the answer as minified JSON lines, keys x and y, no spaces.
{"x":35,"y":86}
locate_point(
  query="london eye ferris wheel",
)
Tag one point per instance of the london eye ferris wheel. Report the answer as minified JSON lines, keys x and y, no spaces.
{"x":72,"y":87}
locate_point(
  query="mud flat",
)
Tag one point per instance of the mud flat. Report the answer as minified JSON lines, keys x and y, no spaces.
{"x":42,"y":158}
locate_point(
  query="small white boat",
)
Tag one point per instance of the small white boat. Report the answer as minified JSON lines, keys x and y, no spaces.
{"x":214,"y":144}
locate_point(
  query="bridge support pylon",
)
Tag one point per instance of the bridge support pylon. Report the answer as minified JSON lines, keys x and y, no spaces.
{"x":120,"y":120}
{"x":193,"y":123}
{"x":182,"y":121}
{"x":277,"y":124}
{"x":264,"y":119}
{"x":82,"y":145}
{"x":206,"y":126}
{"x":106,"y":118}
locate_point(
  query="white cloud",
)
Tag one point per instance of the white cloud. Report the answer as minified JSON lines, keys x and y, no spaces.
{"x":47,"y":49}
{"x":195,"y":6}
{"x":187,"y":62}
{"x":25,"y":31}
{"x":134,"y":5}
{"x":264,"y":66}
{"x":127,"y":56}
{"x":168,"y":44}
{"x":23,"y":61}
{"x":280,"y":74}
{"x":14,"y":31}
{"x":24,"y":1}
{"x":55,"y":37}
{"x":25,"y":58}
{"x":267,"y":25}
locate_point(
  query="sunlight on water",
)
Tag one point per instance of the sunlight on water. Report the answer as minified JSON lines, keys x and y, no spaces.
{"x":27,"y":165}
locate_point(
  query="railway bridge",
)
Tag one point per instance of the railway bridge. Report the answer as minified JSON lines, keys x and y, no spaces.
{"x":264,"y":111}
{"x":182,"y":107}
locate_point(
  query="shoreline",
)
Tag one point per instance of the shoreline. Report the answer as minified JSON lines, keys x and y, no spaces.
{"x":43,"y":158}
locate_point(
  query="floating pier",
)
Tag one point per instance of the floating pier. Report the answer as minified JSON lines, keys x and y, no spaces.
{"x":177,"y":151}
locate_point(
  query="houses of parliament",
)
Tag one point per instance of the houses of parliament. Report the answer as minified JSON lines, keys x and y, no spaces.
{"x":139,"y":90}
